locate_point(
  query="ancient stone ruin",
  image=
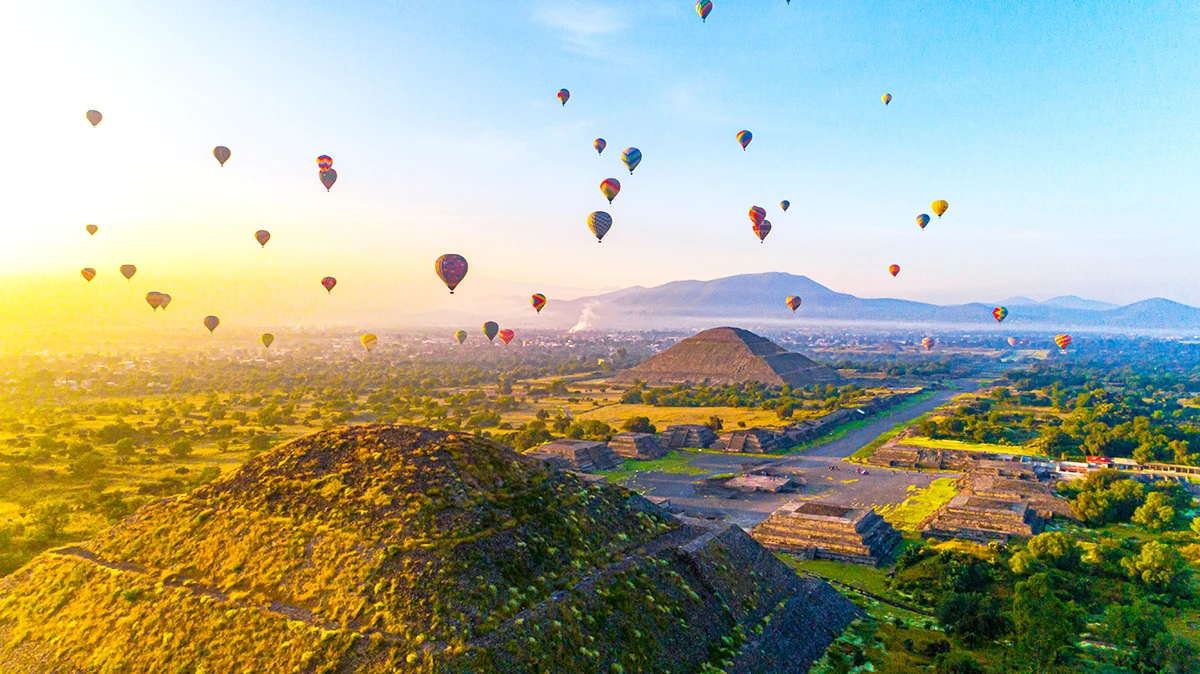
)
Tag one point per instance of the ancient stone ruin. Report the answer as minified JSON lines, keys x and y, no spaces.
{"x":641,"y":446}
{"x":687,"y":435}
{"x":582,"y":455}
{"x":818,"y":530}
{"x":752,"y":441}
{"x":981,"y":520}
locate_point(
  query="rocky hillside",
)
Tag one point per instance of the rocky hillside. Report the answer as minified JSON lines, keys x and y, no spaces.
{"x":401,"y":549}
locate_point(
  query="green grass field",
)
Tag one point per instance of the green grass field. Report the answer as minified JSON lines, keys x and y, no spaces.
{"x":970,"y":446}
{"x":677,"y":462}
{"x":921,"y":503}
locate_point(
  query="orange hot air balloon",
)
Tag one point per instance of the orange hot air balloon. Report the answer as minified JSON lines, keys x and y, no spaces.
{"x":166,"y":300}
{"x":757,"y":215}
{"x":211,"y":322}
{"x":538,"y":301}
{"x":490,"y":329}
{"x":1012,"y":341}
{"x":267,"y":338}
{"x":154,"y":299}
{"x":328,"y":178}
{"x":939,"y":207}
{"x":564,"y":96}
{"x":927,"y":343}
{"x":94,"y":117}
{"x":610,"y":187}
{"x":894,"y":269}
{"x":88,"y":273}
{"x":262,"y":236}
{"x":887,"y":98}
{"x":368,"y":341}
{"x":461,"y":336}
{"x":324,"y":162}
{"x":1063,"y":341}
{"x":793,"y":303}
{"x":92,"y":229}
{"x":329,"y":282}
{"x":599,"y":144}
{"x":452,"y":269}
{"x":221,"y":153}
{"x":999,"y":313}
{"x":507,"y":335}
{"x":762,"y":230}
{"x":128,"y":270}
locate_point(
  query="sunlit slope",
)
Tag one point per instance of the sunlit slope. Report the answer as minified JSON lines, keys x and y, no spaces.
{"x":380,"y":549}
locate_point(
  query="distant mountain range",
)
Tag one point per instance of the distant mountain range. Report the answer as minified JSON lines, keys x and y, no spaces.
{"x":750,"y":300}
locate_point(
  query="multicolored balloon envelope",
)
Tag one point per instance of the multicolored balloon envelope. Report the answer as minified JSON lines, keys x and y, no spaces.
{"x":939,"y":207}
{"x":507,"y":335}
{"x":211,"y":322}
{"x":324,"y":162}
{"x":94,"y":117}
{"x":451,"y":268}
{"x":92,"y":229}
{"x":328,"y":178}
{"x":221,"y":153}
{"x":328,"y":283}
{"x":267,"y":338}
{"x":262,"y":236}
{"x":894,"y":269}
{"x":368,"y":341}
{"x":922,"y":220}
{"x":154,"y":299}
{"x":1063,"y":341}
{"x":564,"y":96}
{"x":461,"y":336}
{"x":490,"y":329}
{"x":88,"y":274}
{"x":1000,"y":313}
{"x":538,"y":301}
{"x":887,"y":98}
{"x":744,"y":137}
{"x":610,"y":188}
{"x":762,"y":230}
{"x":128,"y":270}
{"x":704,"y":8}
{"x":785,"y":204}
{"x":599,"y":222}
{"x":757,"y":215}
{"x":631,"y":156}
{"x":165,"y":302}
{"x":928,"y":343}
{"x":793,"y":303}
{"x":599,"y":144}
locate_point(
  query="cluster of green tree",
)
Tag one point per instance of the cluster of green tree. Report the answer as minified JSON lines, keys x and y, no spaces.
{"x":1108,"y":497}
{"x":912,"y":366}
{"x":784,"y":399}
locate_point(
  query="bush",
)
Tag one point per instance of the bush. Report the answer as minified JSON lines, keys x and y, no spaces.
{"x":86,"y":465}
{"x":181,"y":449}
{"x":639,"y":425}
{"x":935,"y":648}
{"x":125,"y":447}
{"x":957,"y":662}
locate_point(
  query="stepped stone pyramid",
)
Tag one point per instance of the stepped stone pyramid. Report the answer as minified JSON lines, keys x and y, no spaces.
{"x":825,"y":531}
{"x":728,"y":356}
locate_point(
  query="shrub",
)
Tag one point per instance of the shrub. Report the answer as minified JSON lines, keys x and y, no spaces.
{"x":639,"y":425}
{"x":181,"y":449}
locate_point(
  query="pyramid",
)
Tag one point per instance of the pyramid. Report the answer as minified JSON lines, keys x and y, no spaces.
{"x":728,"y":356}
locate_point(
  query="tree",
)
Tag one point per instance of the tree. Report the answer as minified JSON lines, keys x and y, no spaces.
{"x":957,"y":662}
{"x":1053,"y":548}
{"x":1158,"y":565}
{"x":181,"y":449}
{"x":1134,"y":626}
{"x":86,"y":465}
{"x":975,"y":617}
{"x":125,"y":447}
{"x":1043,"y":623}
{"x":1156,"y":513}
{"x":639,"y":425}
{"x":715,"y":424}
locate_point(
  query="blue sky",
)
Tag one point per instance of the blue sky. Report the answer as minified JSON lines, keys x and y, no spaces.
{"x":1064,"y":136}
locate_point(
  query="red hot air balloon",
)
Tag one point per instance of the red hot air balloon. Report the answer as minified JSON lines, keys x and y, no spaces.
{"x":324,"y":162}
{"x":507,"y":335}
{"x":599,"y":144}
{"x":1063,"y":341}
{"x":610,"y":188}
{"x":92,"y":229}
{"x":221,"y":153}
{"x":88,"y":274}
{"x":762,"y":230}
{"x":757,"y":214}
{"x":564,"y":96}
{"x":128,"y":270}
{"x":451,"y":268}
{"x":793,"y":303}
{"x":211,"y":322}
{"x":894,"y":269}
{"x":262,"y":236}
{"x":328,"y":178}
{"x":490,"y":329}
{"x":538,"y":301}
{"x":329,"y":282}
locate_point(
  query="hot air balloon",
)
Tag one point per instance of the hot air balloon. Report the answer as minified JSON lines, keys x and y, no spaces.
{"x":490,"y":329}
{"x":94,"y":117}
{"x":166,"y":300}
{"x":461,"y":336}
{"x":632,"y":157}
{"x":538,"y":301}
{"x":939,"y":207}
{"x":1012,"y":341}
{"x":928,"y":343}
{"x":887,"y":98}
{"x":757,"y":214}
{"x":999,"y":313}
{"x":368,"y":341}
{"x":154,"y":299}
{"x":88,"y":274}
{"x":1063,"y":341}
{"x":599,"y":144}
{"x":793,"y":303}
{"x":922,"y":220}
{"x":785,"y":204}
{"x":762,"y":230}
{"x":262,"y":236}
{"x":610,"y":187}
{"x":599,"y":222}
{"x":564,"y":96}
{"x":743,"y":138}
{"x":128,"y":270}
{"x":894,"y":269}
{"x":329,"y":282}
{"x":267,"y":338}
{"x":211,"y":322}
{"x":221,"y":153}
{"x":703,"y":8}
{"x":324,"y":162}
{"x":506,"y":335}
{"x":92,"y":229}
{"x":451,"y":268}
{"x":328,"y":178}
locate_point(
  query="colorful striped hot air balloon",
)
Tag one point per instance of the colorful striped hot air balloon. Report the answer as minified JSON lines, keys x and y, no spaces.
{"x":599,"y":222}
{"x":632,"y":157}
{"x":793,"y":303}
{"x":461,"y":336}
{"x":221,"y":153}
{"x":368,"y":341}
{"x":922,"y":220}
{"x":328,"y":283}
{"x":154,"y":299}
{"x":262,"y":236}
{"x":785,"y":204}
{"x":490,"y":329}
{"x":743,"y":138}
{"x":94,"y":117}
{"x":894,"y":269}
{"x":267,"y":338}
{"x":211,"y":322}
{"x":757,"y":215}
{"x":128,"y":270}
{"x":928,"y":343}
{"x":1000,"y":313}
{"x":939,"y":207}
{"x":507,"y":335}
{"x":88,"y":274}
{"x":452,"y":269}
{"x":324,"y":162}
{"x":328,"y":178}
{"x":564,"y":96}
{"x":599,"y":144}
{"x":92,"y":229}
{"x":1063,"y":341}
{"x":538,"y":301}
{"x":704,"y":8}
{"x":887,"y":98}
{"x":610,"y":188}
{"x":761,"y":230}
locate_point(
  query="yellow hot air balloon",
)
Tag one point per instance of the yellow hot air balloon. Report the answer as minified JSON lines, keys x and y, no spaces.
{"x":267,"y":338}
{"x":88,"y":273}
{"x":92,"y":229}
{"x":368,"y":341}
{"x":939,"y":207}
{"x":887,"y":98}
